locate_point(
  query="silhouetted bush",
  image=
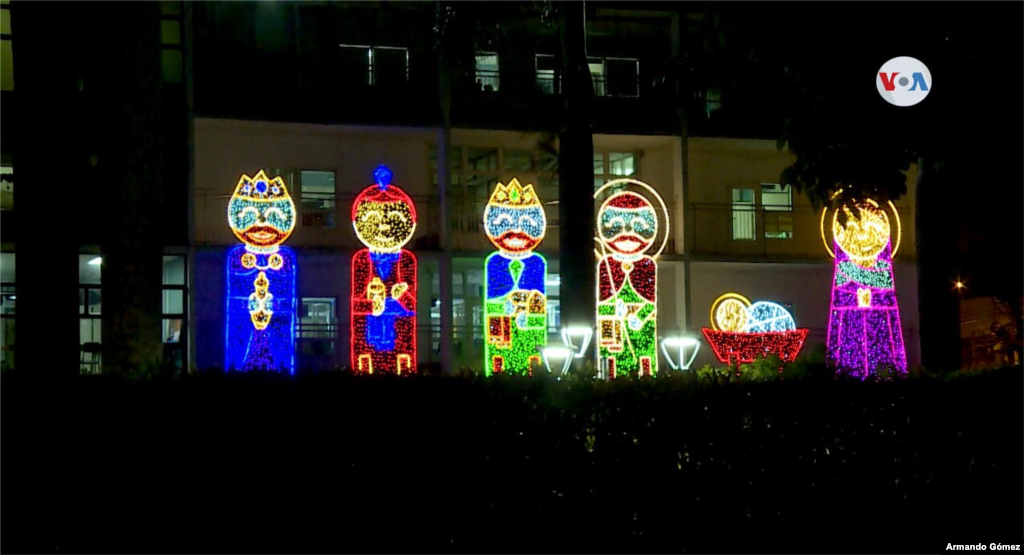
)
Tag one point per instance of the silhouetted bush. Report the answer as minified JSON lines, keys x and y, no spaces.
{"x":692,"y":461}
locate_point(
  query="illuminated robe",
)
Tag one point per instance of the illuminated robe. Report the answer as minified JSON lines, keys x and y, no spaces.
{"x":626,"y":314}
{"x":864,"y":331}
{"x":385,"y":341}
{"x":515,"y":312}
{"x":249,"y":348}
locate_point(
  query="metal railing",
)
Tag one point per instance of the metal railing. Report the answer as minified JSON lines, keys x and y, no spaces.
{"x":487,"y":80}
{"x":726,"y":229}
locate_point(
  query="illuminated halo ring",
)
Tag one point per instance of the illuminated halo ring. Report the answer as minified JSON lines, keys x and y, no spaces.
{"x":895,"y":216}
{"x":733,"y":303}
{"x":657,"y":196}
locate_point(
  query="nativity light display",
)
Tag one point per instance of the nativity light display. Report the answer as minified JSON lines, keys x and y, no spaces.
{"x":627,"y":273}
{"x":260,"y":320}
{"x":864,"y":330}
{"x":742,"y":332}
{"x":383,"y":280}
{"x":515,"y":316}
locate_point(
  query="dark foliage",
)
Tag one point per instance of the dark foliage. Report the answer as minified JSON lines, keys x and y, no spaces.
{"x":336,"y":463}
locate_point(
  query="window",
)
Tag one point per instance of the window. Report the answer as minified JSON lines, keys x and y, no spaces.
{"x":777,"y":200}
{"x":743,"y":215}
{"x":6,"y":53}
{"x":487,"y":71}
{"x":317,"y":331}
{"x":517,"y":160}
{"x":174,"y":310}
{"x":596,"y":66}
{"x":170,"y":40}
{"x":553,"y":284}
{"x":318,"y":198}
{"x":6,"y":187}
{"x":90,"y":310}
{"x":622,"y":77}
{"x":610,"y":76}
{"x":7,"y":300}
{"x":712,"y":102}
{"x":547,"y":80}
{"x":613,"y":165}
{"x":382,"y":65}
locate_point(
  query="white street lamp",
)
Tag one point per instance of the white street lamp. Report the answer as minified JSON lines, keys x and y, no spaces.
{"x":557,"y":359}
{"x":577,"y":338}
{"x":679,"y":344}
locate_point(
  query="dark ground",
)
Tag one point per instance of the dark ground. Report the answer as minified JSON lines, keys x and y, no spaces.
{"x":336,"y":463}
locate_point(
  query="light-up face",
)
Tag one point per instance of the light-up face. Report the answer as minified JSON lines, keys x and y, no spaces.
{"x":261,"y":213}
{"x":862,"y":239}
{"x":515,"y":230}
{"x":628,"y":223}
{"x":384,"y":218}
{"x":514,"y":219}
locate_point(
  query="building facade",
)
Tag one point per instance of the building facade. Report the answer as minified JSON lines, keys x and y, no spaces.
{"x":321,"y":94}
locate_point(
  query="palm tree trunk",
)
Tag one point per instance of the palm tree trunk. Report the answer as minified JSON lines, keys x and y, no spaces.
{"x":576,"y":172}
{"x":132,"y":250}
{"x":443,"y":179}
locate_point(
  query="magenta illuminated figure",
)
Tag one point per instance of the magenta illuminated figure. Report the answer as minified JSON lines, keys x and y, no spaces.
{"x":864,"y":332}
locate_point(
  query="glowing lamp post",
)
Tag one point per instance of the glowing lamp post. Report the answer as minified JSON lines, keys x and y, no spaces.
{"x":577,"y":339}
{"x":679,"y":344}
{"x":557,"y":359}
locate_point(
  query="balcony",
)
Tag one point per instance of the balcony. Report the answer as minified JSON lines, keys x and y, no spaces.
{"x":731,"y":231}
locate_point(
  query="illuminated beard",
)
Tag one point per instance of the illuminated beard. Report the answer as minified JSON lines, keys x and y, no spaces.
{"x":629,"y":243}
{"x":630,"y":240}
{"x":384,"y":226}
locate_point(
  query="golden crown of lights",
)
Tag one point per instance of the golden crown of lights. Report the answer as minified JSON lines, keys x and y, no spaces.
{"x":514,"y":195}
{"x":274,"y":189}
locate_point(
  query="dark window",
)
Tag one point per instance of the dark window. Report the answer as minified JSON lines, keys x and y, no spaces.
{"x":170,"y":39}
{"x":6,"y":52}
{"x":318,"y":198}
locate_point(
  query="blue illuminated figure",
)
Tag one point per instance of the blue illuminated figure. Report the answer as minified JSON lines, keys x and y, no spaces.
{"x":261,"y":298}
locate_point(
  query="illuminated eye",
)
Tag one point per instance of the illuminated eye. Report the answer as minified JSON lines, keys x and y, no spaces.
{"x":398,"y":215}
{"x":503,"y":218}
{"x":526,"y":220}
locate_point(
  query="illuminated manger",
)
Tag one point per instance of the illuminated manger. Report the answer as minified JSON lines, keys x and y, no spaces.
{"x":742,"y":332}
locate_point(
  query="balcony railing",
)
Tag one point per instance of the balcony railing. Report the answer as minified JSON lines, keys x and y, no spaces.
{"x":487,"y":80}
{"x":725,"y":229}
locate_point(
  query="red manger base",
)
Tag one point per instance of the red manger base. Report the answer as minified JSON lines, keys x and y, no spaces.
{"x":730,"y":346}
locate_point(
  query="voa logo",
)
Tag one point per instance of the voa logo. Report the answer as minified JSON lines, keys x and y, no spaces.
{"x":904,"y":81}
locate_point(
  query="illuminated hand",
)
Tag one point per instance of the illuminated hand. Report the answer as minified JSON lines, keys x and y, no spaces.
{"x":399,"y":289}
{"x":375,"y":293}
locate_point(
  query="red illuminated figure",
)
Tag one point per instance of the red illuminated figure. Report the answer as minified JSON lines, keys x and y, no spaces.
{"x":383,"y":280}
{"x":627,"y":286}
